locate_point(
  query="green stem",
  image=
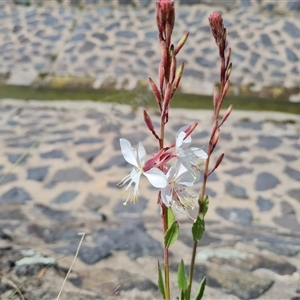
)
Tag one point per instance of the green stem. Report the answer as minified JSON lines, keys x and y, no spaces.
{"x":166,"y":255}
{"x":165,"y":221}
{"x":192,"y":265}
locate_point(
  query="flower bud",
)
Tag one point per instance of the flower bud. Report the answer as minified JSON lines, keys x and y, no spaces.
{"x":216,"y":97}
{"x":178,"y":76}
{"x":215,"y":138}
{"x":228,"y":72}
{"x":161,"y":75}
{"x":228,"y":56}
{"x":226,"y":87}
{"x":227,"y":114}
{"x":155,"y":91}
{"x":149,"y":124}
{"x":181,"y":43}
{"x":165,"y":16}
{"x":216,"y":164}
{"x":189,"y":130}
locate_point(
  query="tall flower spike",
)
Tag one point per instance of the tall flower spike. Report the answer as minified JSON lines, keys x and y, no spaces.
{"x":138,"y":159}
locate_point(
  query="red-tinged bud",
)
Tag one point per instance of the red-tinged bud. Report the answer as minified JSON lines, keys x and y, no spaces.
{"x":169,"y":30}
{"x":164,"y":54}
{"x":216,"y":138}
{"x":219,"y":160}
{"x":178,"y":76}
{"x":149,"y":124}
{"x":214,"y":128}
{"x":218,"y":31}
{"x":164,"y":159}
{"x":149,"y":164}
{"x":155,"y":91}
{"x":165,"y":10}
{"x":217,"y":164}
{"x":226,"y":87}
{"x":181,"y":43}
{"x":161,"y":76}
{"x":228,"y":72}
{"x":217,"y":26}
{"x":173,"y":64}
{"x":227,"y":114}
{"x":159,"y":20}
{"x":228,"y":56}
{"x":189,"y":130}
{"x":168,"y":95}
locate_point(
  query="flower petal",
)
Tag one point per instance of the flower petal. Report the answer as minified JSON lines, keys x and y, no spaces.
{"x":199,"y":153}
{"x":179,"y":139}
{"x":157,"y":178}
{"x":180,"y":169}
{"x":166,"y":195}
{"x":128,"y":152}
{"x":142,"y":154}
{"x":186,"y":141}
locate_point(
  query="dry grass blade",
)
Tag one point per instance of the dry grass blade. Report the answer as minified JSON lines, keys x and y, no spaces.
{"x":17,"y":289}
{"x":73,"y":262}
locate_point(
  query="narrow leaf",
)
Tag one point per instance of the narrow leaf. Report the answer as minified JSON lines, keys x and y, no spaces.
{"x":182,"y":296}
{"x":161,"y":282}
{"x":201,"y":289}
{"x":181,"y":278}
{"x":172,"y":234}
{"x":170,"y":217}
{"x":205,"y":205}
{"x":198,"y":228}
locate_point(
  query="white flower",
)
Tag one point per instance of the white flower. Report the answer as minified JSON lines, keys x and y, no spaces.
{"x":138,"y":158}
{"x":191,"y":158}
{"x":175,"y":193}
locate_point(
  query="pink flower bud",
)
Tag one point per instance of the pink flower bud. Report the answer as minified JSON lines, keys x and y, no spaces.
{"x":155,"y":91}
{"x":149,"y":124}
{"x":228,"y":56}
{"x":190,"y":130}
{"x":227,"y":114}
{"x":167,"y":98}
{"x":216,"y":97}
{"x":226,"y":87}
{"x":215,"y":138}
{"x":165,"y":17}
{"x":178,"y":76}
{"x":228,"y":72}
{"x":181,"y":43}
{"x":161,"y":76}
{"x":216,"y":164}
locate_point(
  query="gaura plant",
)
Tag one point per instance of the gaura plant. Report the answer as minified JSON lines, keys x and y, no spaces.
{"x":176,"y":167}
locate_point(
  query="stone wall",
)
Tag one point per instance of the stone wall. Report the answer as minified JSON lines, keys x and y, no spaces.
{"x":117,"y":44}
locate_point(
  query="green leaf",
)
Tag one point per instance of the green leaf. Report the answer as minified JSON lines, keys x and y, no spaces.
{"x":181,"y":278}
{"x":170,"y":217}
{"x":198,"y":228}
{"x":205,"y":205}
{"x":172,"y":234}
{"x":182,"y":296}
{"x":201,"y":289}
{"x":161,"y":282}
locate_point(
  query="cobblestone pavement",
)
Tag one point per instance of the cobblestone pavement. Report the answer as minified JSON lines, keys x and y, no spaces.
{"x":119,"y":45}
{"x":67,"y":184}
